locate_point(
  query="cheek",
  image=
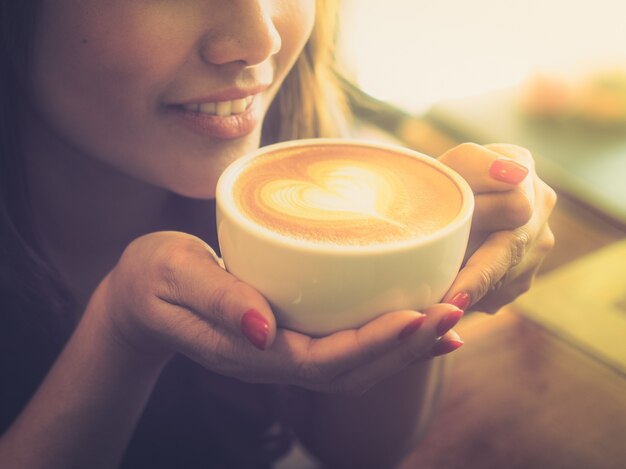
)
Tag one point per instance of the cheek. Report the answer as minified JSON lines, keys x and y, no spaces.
{"x":88,"y":65}
{"x":92,"y":80}
{"x":295,"y":21}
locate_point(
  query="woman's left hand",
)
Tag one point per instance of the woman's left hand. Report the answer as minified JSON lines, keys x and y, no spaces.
{"x":510,"y":236}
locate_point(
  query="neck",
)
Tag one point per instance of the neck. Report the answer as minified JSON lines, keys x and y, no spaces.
{"x":86,"y":212}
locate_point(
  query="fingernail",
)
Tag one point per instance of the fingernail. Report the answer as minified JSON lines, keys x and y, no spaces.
{"x":255,"y":327}
{"x":508,"y":171}
{"x":448,"y":322}
{"x":411,"y":327}
{"x":461,"y":300}
{"x":445,"y":346}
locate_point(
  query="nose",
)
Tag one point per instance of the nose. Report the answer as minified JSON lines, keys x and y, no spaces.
{"x":242,"y":31}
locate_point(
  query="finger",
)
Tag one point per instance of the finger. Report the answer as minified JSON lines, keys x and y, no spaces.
{"x":521,"y":156}
{"x":486,"y":268}
{"x":485,"y":169}
{"x":520,"y":279}
{"x":516,"y":286}
{"x":448,"y":343}
{"x":193,"y":279}
{"x":497,"y":211}
{"x":362,"y":369}
{"x":315,"y":363}
{"x":501,"y":254}
{"x":352,"y":348}
{"x":431,"y":340}
{"x":298,"y":359}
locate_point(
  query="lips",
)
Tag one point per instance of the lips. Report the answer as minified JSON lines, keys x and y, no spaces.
{"x":221,"y":108}
{"x":228,"y":114}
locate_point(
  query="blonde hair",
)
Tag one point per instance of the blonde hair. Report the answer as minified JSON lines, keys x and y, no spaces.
{"x":311,"y":102}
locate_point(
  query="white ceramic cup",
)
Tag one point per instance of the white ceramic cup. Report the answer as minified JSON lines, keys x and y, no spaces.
{"x":319,"y":289}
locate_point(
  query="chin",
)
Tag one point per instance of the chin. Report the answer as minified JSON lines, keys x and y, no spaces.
{"x":204,"y":190}
{"x":196,"y":176}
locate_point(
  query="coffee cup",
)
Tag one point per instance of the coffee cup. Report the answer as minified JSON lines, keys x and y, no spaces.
{"x":334,"y":232}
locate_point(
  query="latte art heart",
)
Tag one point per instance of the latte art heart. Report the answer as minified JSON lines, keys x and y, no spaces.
{"x":337,"y":190}
{"x":345,"y":195}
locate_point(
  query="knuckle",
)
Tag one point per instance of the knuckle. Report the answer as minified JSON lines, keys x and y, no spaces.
{"x":486,"y":278}
{"x":218,"y":302}
{"x":546,"y":242}
{"x":169,"y":260}
{"x":521,"y":211}
{"x":550,"y":196}
{"x":171,"y":256}
{"x":518,"y":246}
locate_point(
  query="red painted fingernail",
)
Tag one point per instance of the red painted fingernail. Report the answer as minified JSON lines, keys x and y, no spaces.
{"x":448,"y":322}
{"x":508,"y":171}
{"x":411,"y":327}
{"x":255,"y":327}
{"x":461,"y":300}
{"x":445,"y":346}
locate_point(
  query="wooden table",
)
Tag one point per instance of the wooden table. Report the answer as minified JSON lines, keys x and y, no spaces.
{"x":519,"y":396}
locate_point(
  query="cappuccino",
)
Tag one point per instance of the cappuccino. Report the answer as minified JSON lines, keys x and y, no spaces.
{"x":346,"y":195}
{"x":335,"y":232}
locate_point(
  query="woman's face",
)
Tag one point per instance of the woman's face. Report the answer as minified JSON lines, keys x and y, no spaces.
{"x":167,"y":91}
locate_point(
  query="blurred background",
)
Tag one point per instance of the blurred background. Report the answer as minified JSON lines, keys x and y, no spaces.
{"x":543,"y":383}
{"x":549,"y":75}
{"x":414,"y":53}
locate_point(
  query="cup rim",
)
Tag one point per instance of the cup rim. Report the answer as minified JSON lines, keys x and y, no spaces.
{"x":224,"y":197}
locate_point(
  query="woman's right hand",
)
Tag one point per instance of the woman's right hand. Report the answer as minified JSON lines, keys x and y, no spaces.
{"x":168,"y":294}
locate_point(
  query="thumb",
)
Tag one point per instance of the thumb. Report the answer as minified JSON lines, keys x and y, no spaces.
{"x":197,"y":282}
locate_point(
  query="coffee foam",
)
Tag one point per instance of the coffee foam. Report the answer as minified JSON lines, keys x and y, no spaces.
{"x":346,"y":195}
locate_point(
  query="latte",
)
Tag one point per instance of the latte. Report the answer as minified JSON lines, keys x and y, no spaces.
{"x":335,"y":232}
{"x":346,"y":195}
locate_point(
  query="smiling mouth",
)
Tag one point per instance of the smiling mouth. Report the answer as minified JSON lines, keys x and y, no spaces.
{"x":220,"y":108}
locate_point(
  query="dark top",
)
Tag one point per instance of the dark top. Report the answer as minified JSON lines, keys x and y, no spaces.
{"x":183,"y":425}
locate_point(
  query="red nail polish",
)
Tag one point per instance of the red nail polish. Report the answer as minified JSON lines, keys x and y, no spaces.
{"x":445,"y":346}
{"x":508,"y":171}
{"x":461,"y":300}
{"x":448,"y":322}
{"x":255,"y":327}
{"x":411,"y":327}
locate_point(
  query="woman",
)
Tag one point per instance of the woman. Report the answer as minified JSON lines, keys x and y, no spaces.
{"x":117,"y":118}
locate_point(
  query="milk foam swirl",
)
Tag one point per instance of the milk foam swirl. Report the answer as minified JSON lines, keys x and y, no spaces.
{"x":346,"y":195}
{"x":336,"y":190}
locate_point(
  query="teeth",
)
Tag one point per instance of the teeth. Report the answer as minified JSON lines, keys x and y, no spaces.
{"x":238,"y":105}
{"x":221,"y":108}
{"x":207,"y":108}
